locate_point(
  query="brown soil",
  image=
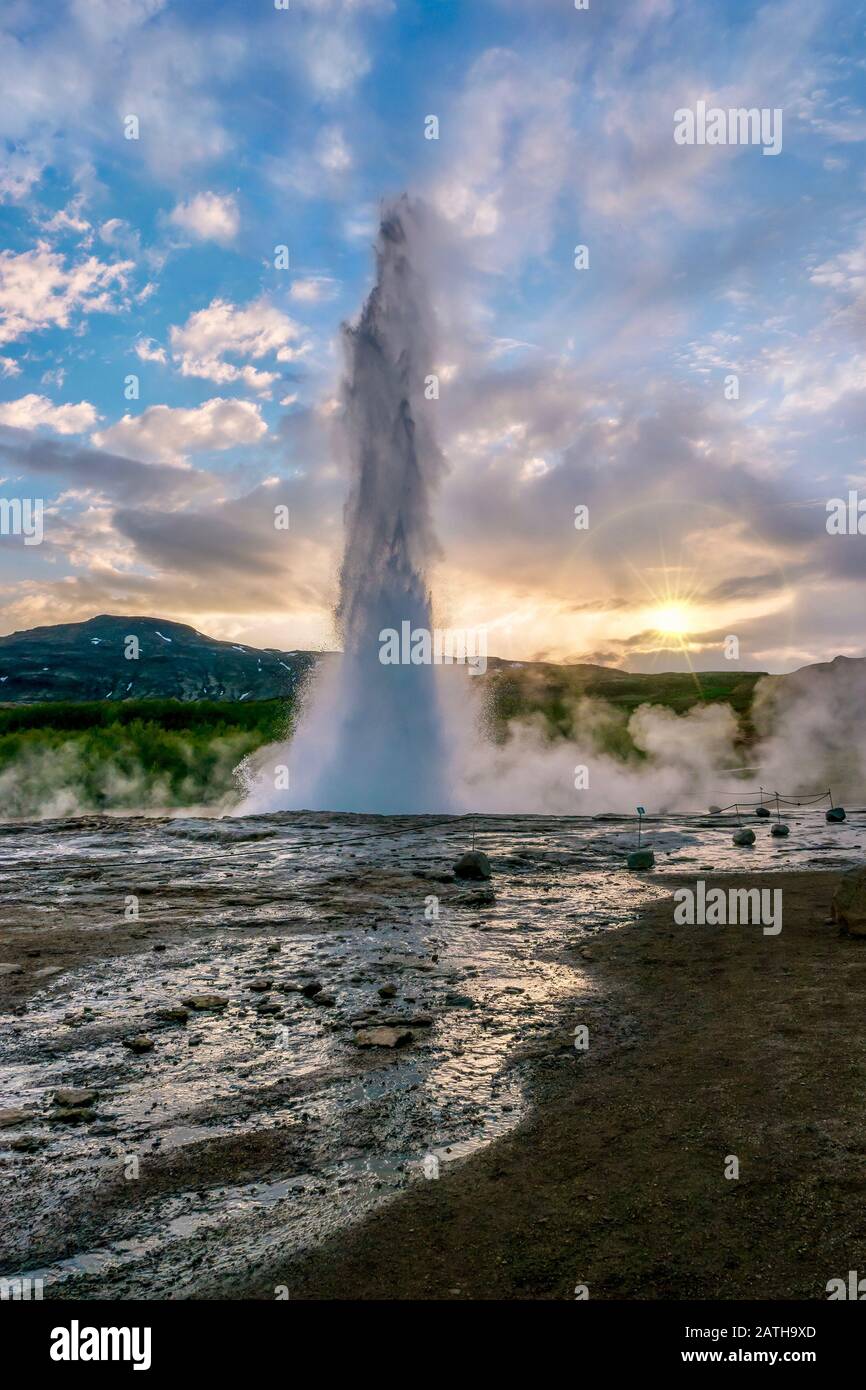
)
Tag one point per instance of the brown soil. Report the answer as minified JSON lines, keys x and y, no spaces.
{"x":704,"y":1042}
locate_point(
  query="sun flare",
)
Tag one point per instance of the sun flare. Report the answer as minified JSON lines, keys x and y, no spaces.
{"x":672,"y":620}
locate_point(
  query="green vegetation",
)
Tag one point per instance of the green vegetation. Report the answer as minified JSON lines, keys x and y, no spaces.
{"x":67,"y":758}
{"x":555,"y":692}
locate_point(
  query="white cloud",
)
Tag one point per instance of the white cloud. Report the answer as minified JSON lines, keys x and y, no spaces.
{"x":38,"y":291}
{"x":110,"y":18}
{"x":208,"y":217}
{"x":9,"y":367}
{"x":314,"y":289}
{"x":335,"y":60}
{"x":165,"y":433}
{"x":510,"y":133}
{"x":69,"y":219}
{"x":845,"y":273}
{"x":20,"y":172}
{"x":31,"y":412}
{"x":200,"y":347}
{"x":332,"y":152}
{"x":149,"y":351}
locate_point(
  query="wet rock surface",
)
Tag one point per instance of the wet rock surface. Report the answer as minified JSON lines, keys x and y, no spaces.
{"x":258,"y":1123}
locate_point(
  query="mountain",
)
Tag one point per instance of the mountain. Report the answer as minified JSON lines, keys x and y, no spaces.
{"x":87,"y":661}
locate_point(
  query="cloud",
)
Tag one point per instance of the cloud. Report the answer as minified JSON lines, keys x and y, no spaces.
{"x":96,"y":472}
{"x":21,"y":171}
{"x":32,"y":412}
{"x":509,"y":140}
{"x":163,"y":433}
{"x":201,"y":346}
{"x":332,"y":152}
{"x":70,"y":219}
{"x":209,"y":217}
{"x":38,"y":290}
{"x":112,"y":18}
{"x":149,"y":351}
{"x":315,"y":289}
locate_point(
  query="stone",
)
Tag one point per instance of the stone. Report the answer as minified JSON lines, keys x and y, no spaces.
{"x":473,"y":864}
{"x":641,"y":859}
{"x":387,"y":991}
{"x":261,"y":982}
{"x":27,"y":1143}
{"x":75,"y":1097}
{"x":780,"y":829}
{"x":743,"y":836}
{"x":849,"y":901}
{"x":8,"y":1118}
{"x":313,"y":988}
{"x":173,"y":1015}
{"x":8,"y":968}
{"x":835,"y":814}
{"x":140,"y":1043}
{"x":327,"y":1001}
{"x":383,"y":1037}
{"x":202,"y":1002}
{"x":460,"y":1001}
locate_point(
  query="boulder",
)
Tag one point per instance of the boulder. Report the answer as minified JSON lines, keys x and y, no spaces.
{"x":849,"y":902}
{"x":173,"y":1015}
{"x":743,"y":836}
{"x":8,"y":1118}
{"x":473,"y":864}
{"x":75,"y":1098}
{"x":140,"y":1043}
{"x":641,"y":859}
{"x":835,"y":814}
{"x":202,"y":1002}
{"x":383,"y":1037}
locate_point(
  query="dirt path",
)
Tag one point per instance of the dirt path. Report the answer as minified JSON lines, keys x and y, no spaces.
{"x":709,"y":1042}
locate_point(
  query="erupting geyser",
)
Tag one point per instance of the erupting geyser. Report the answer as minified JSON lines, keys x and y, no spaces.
{"x":371,"y":737}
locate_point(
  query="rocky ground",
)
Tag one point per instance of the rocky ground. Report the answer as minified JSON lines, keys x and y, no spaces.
{"x":246,"y":1088}
{"x":704,"y":1043}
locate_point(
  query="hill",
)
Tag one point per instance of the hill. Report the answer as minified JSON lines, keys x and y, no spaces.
{"x":117,"y":658}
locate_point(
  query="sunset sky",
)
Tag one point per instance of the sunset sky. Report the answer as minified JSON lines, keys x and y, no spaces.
{"x":559,"y":387}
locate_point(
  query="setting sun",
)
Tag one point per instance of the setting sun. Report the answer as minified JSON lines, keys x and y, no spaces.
{"x":672,"y":620}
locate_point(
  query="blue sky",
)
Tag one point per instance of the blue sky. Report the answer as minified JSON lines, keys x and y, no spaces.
{"x":602,"y":387}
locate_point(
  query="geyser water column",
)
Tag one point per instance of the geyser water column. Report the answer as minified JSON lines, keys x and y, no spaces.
{"x":372,"y":739}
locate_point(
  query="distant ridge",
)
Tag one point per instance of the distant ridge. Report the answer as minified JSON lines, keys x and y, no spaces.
{"x":87,"y":661}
